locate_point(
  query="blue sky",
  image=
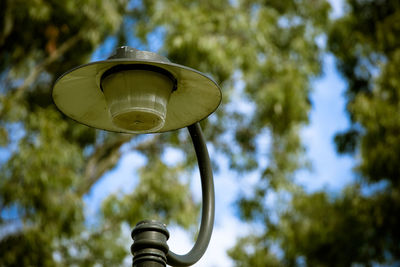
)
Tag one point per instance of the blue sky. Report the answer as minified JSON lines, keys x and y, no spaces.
{"x":329,"y":170}
{"x":327,"y":117}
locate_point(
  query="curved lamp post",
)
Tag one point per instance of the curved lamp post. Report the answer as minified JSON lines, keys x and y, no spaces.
{"x":141,"y":92}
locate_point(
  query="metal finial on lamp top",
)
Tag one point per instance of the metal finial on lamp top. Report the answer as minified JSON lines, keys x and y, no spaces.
{"x":136,"y":92}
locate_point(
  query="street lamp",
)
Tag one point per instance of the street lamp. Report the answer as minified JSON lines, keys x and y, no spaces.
{"x":141,"y":92}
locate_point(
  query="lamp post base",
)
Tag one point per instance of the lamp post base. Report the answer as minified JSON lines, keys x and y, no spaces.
{"x":149,"y":248}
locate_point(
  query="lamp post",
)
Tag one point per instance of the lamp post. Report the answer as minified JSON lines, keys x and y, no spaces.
{"x":141,"y":92}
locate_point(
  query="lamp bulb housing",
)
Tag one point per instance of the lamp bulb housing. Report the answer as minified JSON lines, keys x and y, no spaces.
{"x":137,"y":99}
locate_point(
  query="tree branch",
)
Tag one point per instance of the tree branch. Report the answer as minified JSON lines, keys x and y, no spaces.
{"x":8,"y":23}
{"x":106,"y":157}
{"x":67,"y":45}
{"x":103,"y":159}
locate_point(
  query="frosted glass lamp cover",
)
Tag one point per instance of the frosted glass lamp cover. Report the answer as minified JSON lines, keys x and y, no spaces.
{"x":136,"y":92}
{"x":137,"y":99}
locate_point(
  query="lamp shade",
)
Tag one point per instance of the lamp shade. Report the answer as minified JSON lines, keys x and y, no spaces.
{"x":136,"y":92}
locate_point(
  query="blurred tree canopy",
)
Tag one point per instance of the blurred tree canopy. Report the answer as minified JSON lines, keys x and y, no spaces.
{"x":48,"y":162}
{"x":263,"y":53}
{"x":360,"y":225}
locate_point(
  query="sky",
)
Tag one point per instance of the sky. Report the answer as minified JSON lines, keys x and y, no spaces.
{"x":329,"y":171}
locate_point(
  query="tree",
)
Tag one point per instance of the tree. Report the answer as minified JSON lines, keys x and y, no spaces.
{"x":49,"y":162}
{"x":370,"y":67}
{"x":359,"y":226}
{"x":268,"y":47}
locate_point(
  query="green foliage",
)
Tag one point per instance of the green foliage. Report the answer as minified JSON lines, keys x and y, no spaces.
{"x":366,"y":44}
{"x":271,"y":47}
{"x":354,"y":227}
{"x":49,"y":162}
{"x":158,"y":191}
{"x":31,"y":31}
{"x":253,"y":251}
{"x":321,"y":230}
{"x":37,"y":187}
{"x":46,"y":164}
{"x":340,"y":231}
{"x":14,"y":249}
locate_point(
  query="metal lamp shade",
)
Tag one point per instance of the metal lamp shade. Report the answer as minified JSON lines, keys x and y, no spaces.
{"x":81,"y":93}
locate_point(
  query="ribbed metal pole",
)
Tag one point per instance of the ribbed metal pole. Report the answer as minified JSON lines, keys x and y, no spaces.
{"x":149,"y":247}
